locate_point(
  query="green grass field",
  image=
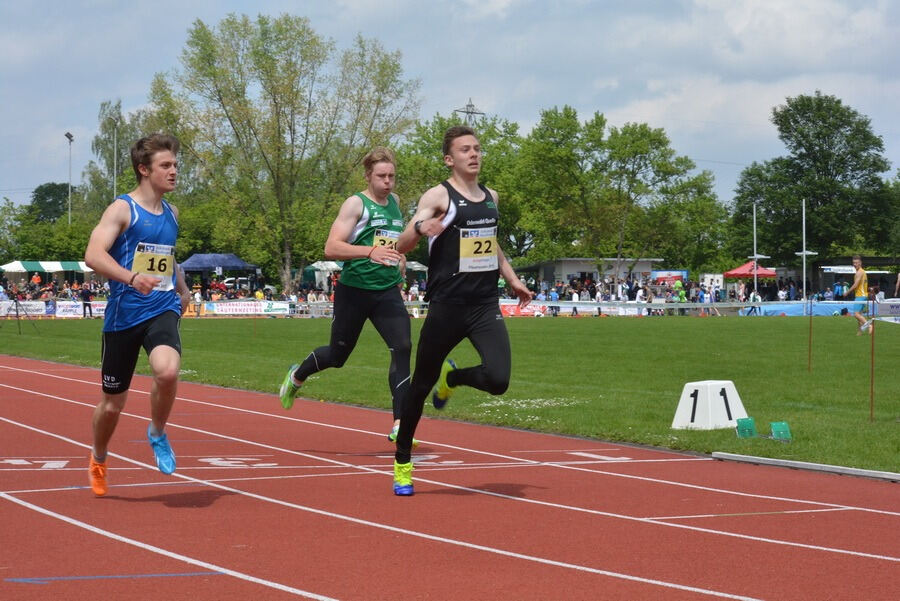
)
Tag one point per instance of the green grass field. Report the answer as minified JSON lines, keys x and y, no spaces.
{"x":614,"y":379}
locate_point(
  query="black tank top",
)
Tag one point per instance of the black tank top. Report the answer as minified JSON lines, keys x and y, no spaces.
{"x":463,"y":266}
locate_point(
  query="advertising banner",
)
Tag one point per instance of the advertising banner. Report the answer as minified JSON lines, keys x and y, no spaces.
{"x":233,"y":308}
{"x":67,"y":309}
{"x":32,"y":308}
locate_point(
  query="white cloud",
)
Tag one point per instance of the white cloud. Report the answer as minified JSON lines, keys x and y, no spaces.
{"x":480,"y":9}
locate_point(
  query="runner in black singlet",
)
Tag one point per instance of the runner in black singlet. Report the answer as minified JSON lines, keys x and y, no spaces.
{"x":460,"y":219}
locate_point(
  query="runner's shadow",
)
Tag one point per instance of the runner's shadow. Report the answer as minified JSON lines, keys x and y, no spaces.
{"x":178,"y":500}
{"x":508,"y":489}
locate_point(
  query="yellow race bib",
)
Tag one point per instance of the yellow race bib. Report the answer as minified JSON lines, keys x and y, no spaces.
{"x":157,"y":260}
{"x":385,"y":238}
{"x":478,"y":249}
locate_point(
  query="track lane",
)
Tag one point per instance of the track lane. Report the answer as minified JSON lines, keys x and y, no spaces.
{"x":357,"y":438}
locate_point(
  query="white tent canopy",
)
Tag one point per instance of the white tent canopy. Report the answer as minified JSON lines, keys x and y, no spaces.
{"x":326,"y":266}
{"x":415,"y":266}
{"x":45,"y":266}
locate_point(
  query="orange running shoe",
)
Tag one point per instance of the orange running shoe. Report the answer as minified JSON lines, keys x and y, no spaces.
{"x":97,"y":473}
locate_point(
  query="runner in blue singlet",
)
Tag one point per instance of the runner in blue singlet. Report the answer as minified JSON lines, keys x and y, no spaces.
{"x":133,"y":246}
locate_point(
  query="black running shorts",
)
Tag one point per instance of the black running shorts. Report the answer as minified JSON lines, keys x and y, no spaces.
{"x":119,"y":350}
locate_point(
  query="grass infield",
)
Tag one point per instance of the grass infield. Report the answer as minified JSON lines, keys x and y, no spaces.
{"x":616,"y":379}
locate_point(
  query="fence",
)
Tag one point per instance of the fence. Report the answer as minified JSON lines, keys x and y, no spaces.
{"x":509,"y":307}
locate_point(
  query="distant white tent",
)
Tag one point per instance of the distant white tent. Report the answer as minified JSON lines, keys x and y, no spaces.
{"x":45,"y":266}
{"x":326,"y":266}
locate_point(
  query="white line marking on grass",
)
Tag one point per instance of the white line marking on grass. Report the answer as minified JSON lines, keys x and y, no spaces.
{"x":321,"y":512}
{"x":452,"y":486}
{"x":164,"y":552}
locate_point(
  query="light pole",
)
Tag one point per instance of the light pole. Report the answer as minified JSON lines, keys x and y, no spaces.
{"x":755,"y":256}
{"x":70,"y":138}
{"x":115,"y":121}
{"x":804,"y":252}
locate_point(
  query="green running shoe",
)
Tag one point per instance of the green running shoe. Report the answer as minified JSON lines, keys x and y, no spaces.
{"x":403,"y":485}
{"x":393,"y":436}
{"x":288,"y":389}
{"x":443,"y":391}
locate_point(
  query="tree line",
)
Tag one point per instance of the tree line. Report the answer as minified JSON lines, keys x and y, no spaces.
{"x":274,"y":121}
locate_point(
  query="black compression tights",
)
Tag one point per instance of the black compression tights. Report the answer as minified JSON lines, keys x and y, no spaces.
{"x":445,"y":327}
{"x":386,"y":311}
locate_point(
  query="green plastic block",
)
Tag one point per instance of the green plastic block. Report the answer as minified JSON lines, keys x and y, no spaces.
{"x":746,"y":427}
{"x":781,"y":431}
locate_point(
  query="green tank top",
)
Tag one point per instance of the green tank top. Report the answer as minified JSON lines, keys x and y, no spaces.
{"x":378,"y":225}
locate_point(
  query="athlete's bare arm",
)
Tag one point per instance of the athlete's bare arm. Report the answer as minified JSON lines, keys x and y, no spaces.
{"x":506,"y":270}
{"x":431,"y":209}
{"x":114,"y":221}
{"x":181,"y":287}
{"x":339,"y":249}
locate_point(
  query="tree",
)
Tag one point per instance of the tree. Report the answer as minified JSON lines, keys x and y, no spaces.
{"x":559,"y":174}
{"x":9,"y":217}
{"x":49,"y":202}
{"x":834,"y":164}
{"x":588,"y":190}
{"x":644,"y":173}
{"x":279,"y":124}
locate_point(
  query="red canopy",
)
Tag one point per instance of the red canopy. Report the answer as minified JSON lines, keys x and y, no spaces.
{"x":746,"y":271}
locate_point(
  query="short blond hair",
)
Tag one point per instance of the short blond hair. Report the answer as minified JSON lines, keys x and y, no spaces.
{"x":379,"y":154}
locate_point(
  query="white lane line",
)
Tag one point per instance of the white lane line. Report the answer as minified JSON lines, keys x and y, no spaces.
{"x":346,"y":518}
{"x":480,"y":452}
{"x":601,"y":457}
{"x":733,"y":515}
{"x":164,"y":552}
{"x":462,"y":488}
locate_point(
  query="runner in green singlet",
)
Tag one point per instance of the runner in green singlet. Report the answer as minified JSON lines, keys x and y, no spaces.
{"x":364,"y":236}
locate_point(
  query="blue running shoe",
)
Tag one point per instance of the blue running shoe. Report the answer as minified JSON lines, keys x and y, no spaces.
{"x":403,"y":485}
{"x":393,"y":436}
{"x":162,"y":450}
{"x":443,"y":391}
{"x":288,"y":389}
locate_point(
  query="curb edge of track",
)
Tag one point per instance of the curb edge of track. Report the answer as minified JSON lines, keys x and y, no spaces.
{"x":804,"y":465}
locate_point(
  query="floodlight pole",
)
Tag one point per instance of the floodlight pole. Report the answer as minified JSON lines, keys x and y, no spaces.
{"x":70,"y":137}
{"x":115,"y":153}
{"x":805,"y":252}
{"x":755,"y":279}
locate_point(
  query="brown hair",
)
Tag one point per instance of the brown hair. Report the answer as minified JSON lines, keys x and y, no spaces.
{"x":143,"y":150}
{"x":379,"y":154}
{"x":457,"y":131}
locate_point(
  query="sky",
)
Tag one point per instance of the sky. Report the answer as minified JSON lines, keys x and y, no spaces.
{"x":708,"y":72}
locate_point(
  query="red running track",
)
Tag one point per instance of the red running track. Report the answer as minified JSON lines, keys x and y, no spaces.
{"x":269,"y":504}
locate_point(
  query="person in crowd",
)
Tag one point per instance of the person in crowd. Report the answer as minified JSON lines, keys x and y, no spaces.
{"x":859,"y":292}
{"x":133,"y":246}
{"x":86,"y":297}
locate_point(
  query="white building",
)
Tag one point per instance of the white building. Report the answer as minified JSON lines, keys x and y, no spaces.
{"x":602,"y":269}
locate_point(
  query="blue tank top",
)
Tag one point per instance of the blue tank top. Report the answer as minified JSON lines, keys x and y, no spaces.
{"x":146,"y":246}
